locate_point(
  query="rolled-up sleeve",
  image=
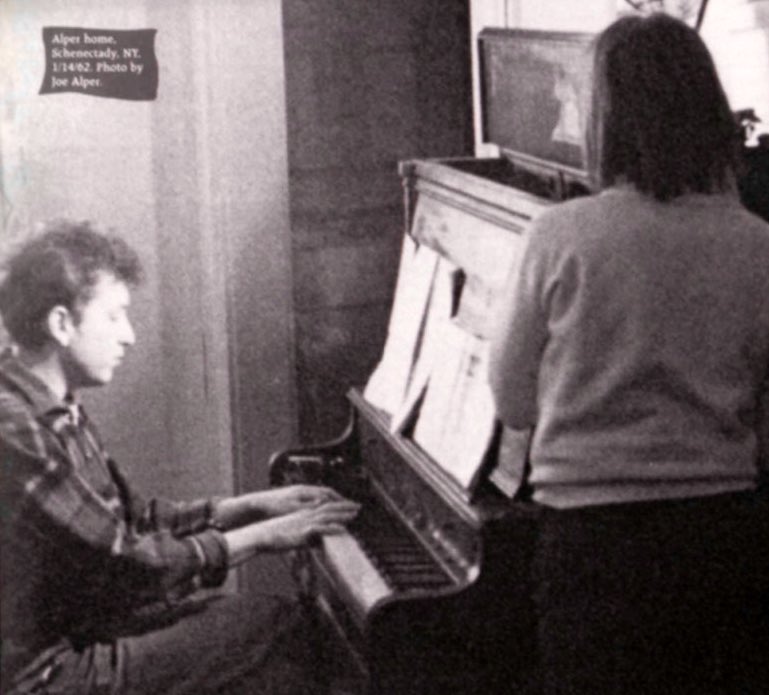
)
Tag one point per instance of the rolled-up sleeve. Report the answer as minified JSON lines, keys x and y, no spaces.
{"x":186,"y":521}
{"x":103,"y":548}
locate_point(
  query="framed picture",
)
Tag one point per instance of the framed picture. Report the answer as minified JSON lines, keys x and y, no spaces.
{"x":534,"y":95}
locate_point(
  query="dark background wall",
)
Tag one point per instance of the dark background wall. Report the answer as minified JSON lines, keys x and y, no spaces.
{"x":367,"y":84}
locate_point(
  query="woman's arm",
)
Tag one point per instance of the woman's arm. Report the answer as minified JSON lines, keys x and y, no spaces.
{"x":518,"y":338}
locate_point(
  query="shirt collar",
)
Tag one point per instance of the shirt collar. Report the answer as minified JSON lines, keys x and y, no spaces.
{"x":32,"y":388}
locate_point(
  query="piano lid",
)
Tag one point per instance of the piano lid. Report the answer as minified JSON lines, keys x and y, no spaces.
{"x":534,"y":94}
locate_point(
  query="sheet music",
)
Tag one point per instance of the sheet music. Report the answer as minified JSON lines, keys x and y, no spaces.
{"x":457,"y":416}
{"x":477,"y":306}
{"x":439,"y":312}
{"x":483,"y":250}
{"x":389,"y":382}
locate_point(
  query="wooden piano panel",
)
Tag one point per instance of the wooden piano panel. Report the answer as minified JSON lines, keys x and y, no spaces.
{"x":466,"y":211}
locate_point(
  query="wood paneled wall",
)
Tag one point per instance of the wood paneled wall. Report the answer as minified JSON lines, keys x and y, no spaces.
{"x":367,"y":84}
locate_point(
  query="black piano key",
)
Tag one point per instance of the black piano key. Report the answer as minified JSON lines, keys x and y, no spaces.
{"x":404,"y":582}
{"x":400,"y":558}
{"x":403,"y":562}
{"x":406,"y":560}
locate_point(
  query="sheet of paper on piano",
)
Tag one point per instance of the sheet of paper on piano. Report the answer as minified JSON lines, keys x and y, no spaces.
{"x":477,"y":306}
{"x":387,"y":386}
{"x":439,"y":312}
{"x":456,"y":419}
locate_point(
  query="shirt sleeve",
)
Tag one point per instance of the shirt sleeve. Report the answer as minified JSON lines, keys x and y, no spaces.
{"x":158,"y":513}
{"x":107,"y":550}
{"x":190,"y":521}
{"x":518,"y":338}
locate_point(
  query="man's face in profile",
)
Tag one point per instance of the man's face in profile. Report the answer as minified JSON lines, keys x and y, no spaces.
{"x":99,"y":335}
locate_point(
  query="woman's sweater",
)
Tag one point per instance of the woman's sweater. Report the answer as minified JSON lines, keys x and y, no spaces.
{"x":634,"y":336}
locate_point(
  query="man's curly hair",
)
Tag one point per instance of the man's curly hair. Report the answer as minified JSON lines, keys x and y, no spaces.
{"x":60,"y":267}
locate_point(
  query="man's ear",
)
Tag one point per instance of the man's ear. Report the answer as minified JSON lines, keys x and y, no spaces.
{"x":60,"y":324}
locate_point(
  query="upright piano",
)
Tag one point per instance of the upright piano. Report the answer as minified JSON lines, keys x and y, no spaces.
{"x":424,"y":589}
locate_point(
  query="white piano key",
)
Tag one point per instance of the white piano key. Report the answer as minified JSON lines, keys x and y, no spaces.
{"x":354,"y":572}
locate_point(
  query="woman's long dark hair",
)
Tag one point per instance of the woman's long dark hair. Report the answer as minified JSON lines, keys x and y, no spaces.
{"x":658,"y":116}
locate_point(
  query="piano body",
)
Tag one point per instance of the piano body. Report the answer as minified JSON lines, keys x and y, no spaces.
{"x":424,"y":589}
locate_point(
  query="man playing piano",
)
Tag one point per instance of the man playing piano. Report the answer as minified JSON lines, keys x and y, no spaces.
{"x":99,"y":586}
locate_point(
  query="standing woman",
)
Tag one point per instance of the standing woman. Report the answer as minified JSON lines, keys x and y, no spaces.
{"x":633,"y":338}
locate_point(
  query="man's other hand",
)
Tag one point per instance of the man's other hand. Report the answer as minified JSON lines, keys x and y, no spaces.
{"x":292,"y":530}
{"x":285,"y":500}
{"x":297,"y":528}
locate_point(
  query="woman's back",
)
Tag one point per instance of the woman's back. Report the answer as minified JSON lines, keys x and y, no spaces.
{"x":657,"y":325}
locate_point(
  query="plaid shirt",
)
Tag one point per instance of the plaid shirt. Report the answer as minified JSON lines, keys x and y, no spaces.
{"x":83,"y":556}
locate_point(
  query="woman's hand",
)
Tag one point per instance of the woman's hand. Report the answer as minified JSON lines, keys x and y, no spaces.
{"x":233,"y":512}
{"x":291,"y":530}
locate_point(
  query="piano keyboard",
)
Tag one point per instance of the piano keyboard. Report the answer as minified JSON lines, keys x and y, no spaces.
{"x":404,"y":563}
{"x":377,"y":558}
